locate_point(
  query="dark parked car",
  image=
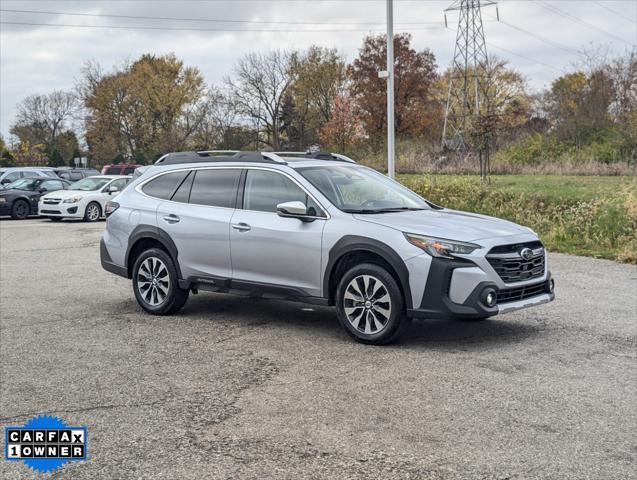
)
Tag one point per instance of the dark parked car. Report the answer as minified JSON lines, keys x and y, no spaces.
{"x":20,"y":198}
{"x":75,"y":174}
{"x":120,"y":169}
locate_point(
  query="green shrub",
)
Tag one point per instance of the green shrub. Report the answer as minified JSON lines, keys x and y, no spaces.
{"x":604,"y":227}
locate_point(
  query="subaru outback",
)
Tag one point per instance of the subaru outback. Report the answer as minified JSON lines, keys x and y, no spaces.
{"x":317,"y":228}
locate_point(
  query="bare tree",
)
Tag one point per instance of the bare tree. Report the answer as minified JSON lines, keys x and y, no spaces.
{"x":42,"y":118}
{"x":259,"y":85}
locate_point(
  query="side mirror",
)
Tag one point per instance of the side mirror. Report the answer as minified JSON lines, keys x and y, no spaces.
{"x":42,"y":190}
{"x":112,"y":189}
{"x":5,"y":181}
{"x":294,"y":209}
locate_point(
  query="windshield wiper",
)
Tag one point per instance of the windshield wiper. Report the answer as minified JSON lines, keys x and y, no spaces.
{"x":383,"y":210}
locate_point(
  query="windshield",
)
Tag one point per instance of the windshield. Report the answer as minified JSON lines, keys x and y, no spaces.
{"x":355,"y":189}
{"x":29,"y":184}
{"x":89,"y":184}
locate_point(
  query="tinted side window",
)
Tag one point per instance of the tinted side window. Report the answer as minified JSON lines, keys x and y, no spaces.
{"x":129,"y":170}
{"x":120,"y":184}
{"x":52,"y":185}
{"x":164,"y":185}
{"x":264,"y":190}
{"x":112,"y":171}
{"x":215,"y":187}
{"x":183,"y":192}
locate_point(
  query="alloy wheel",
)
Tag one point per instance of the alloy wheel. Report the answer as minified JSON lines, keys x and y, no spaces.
{"x":93,"y":212}
{"x":367,"y":304}
{"x":153,"y":281}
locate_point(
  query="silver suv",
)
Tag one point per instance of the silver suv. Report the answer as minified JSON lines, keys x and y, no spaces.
{"x":316,"y":228}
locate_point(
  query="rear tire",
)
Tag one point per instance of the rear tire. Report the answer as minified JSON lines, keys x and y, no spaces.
{"x":20,"y":210}
{"x":93,"y":212}
{"x":156,"y":283}
{"x":370,"y":305}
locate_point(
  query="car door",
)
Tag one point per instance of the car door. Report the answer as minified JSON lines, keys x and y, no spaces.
{"x":197,"y":218}
{"x":268,"y":249}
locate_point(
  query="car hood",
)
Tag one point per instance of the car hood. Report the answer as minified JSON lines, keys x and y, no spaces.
{"x":449,"y":224}
{"x":66,"y":194}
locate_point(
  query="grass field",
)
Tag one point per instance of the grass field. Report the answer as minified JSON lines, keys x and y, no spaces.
{"x":582,"y":215}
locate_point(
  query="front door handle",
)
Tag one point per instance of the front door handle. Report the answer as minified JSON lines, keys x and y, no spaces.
{"x":171,"y":218}
{"x":242,"y":227}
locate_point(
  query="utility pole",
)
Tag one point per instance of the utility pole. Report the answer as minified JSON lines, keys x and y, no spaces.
{"x":390,"y":89}
{"x":468,"y":66}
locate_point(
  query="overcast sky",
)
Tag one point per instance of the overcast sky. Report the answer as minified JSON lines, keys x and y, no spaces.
{"x":38,"y":59}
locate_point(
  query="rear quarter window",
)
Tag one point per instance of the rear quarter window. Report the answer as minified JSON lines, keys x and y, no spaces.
{"x":164,"y":186}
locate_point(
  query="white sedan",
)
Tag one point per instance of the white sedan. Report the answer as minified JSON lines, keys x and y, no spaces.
{"x":84,"y":199}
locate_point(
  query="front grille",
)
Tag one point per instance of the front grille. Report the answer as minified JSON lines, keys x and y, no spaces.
{"x":509,"y":264}
{"x":57,"y":212}
{"x":52,"y":201}
{"x":520,"y":293}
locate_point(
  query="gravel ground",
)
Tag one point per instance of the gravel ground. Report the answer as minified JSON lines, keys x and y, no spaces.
{"x":243,"y":388}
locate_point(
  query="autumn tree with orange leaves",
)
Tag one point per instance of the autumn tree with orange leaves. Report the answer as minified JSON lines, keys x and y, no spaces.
{"x":418,"y":109}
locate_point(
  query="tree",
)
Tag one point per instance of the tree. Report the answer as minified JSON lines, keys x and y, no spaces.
{"x":259,"y":85}
{"x":26,"y":154}
{"x":418,"y":110}
{"x":318,"y":76}
{"x":344,"y":129}
{"x":41,"y":119}
{"x":143,"y":109}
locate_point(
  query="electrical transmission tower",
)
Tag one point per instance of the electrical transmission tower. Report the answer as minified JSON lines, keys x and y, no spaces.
{"x":466,"y":74}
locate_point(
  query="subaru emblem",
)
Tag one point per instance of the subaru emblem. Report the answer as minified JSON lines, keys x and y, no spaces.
{"x":526,"y":253}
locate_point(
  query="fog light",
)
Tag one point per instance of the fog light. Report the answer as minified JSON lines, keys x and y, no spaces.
{"x":551,"y":285}
{"x":490,"y":297}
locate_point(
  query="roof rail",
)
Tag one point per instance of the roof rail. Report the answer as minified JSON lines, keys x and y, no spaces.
{"x":318,"y":155}
{"x":208,"y":152}
{"x":219,"y":156}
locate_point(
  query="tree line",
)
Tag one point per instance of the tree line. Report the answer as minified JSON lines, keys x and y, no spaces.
{"x":291,"y":100}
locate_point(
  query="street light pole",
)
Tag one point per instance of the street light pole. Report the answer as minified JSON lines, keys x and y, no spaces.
{"x":390,"y":88}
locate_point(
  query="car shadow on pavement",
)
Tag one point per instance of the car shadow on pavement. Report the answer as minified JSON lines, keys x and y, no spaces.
{"x":322,"y":321}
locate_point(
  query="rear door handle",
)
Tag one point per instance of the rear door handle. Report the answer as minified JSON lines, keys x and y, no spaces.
{"x":171,"y":218}
{"x":242,"y":227}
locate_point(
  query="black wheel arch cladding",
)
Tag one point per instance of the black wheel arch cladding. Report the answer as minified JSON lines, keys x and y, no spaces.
{"x":142,"y":232}
{"x":355,"y":243}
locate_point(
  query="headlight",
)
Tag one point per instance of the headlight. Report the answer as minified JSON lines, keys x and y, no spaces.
{"x":72,"y":200}
{"x":440,"y":247}
{"x":3,"y":200}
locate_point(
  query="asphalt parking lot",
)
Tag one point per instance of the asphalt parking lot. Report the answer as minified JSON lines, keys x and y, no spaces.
{"x":245,"y":388}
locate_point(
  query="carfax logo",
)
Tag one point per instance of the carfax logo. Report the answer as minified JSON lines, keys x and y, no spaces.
{"x":45,"y":443}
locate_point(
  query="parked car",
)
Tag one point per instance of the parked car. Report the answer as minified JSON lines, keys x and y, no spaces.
{"x":11,"y":174}
{"x":120,"y":169}
{"x":75,"y":174}
{"x":318,"y":229}
{"x":20,"y":198}
{"x":85,"y":199}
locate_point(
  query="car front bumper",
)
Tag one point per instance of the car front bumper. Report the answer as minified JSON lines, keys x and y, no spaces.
{"x":457,"y":289}
{"x":61,"y":210}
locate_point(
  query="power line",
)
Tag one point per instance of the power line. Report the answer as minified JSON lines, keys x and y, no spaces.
{"x":548,"y":41}
{"x":578,"y":20}
{"x":612,"y":10}
{"x":215,"y":20}
{"x":145,"y":27}
{"x":557,"y":69}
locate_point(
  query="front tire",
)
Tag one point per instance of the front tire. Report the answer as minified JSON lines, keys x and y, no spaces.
{"x":93,"y":212}
{"x":20,"y":210}
{"x":370,"y":305}
{"x":156,"y":283}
